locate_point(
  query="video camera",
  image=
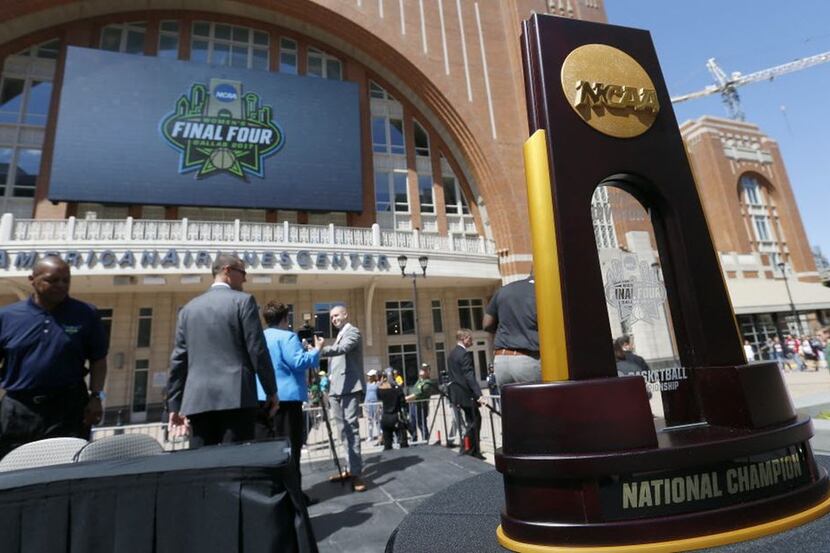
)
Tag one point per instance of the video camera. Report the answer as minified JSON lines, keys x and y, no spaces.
{"x":307,"y":333}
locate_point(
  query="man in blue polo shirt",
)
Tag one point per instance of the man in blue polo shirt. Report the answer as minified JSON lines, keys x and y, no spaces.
{"x":45,"y":342}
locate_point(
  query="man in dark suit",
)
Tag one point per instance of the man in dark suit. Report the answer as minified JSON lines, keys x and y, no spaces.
{"x":220,"y":349}
{"x":464,"y":391}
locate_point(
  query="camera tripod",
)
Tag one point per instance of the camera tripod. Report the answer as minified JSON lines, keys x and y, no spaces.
{"x":324,"y":410}
{"x":460,"y":423}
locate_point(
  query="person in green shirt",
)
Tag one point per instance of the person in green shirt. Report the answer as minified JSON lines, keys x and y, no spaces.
{"x":423,"y":388}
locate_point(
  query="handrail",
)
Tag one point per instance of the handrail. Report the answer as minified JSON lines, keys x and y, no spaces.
{"x":150,"y":230}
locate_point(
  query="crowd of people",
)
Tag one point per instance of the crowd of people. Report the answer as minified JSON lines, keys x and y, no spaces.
{"x":802,"y":353}
{"x":230,"y":380}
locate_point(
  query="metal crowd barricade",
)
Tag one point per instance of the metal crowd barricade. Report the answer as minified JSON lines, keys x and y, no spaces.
{"x":434,"y":421}
{"x":157,"y":430}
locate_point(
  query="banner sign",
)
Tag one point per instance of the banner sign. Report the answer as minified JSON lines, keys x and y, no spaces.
{"x":235,"y":143}
{"x":656,"y":494}
{"x":147,"y":130}
{"x":174,"y":258}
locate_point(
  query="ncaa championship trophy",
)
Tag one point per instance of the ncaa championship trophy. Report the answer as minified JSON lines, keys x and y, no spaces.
{"x":586,"y":466}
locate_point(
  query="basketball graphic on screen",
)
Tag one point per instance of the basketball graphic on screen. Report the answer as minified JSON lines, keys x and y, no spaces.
{"x":222,"y":158}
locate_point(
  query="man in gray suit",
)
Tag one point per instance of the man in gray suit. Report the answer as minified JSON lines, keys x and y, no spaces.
{"x":220,"y":347}
{"x":345,"y":388}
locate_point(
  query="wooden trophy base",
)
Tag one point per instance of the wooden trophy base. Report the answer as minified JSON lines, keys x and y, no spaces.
{"x":586,"y":465}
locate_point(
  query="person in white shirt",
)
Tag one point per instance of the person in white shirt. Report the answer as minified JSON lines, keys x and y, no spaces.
{"x":749,"y":351}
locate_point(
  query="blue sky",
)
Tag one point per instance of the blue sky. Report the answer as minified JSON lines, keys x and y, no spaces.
{"x":747,"y":36}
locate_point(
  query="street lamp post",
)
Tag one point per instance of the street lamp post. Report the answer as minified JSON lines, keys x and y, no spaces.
{"x":781,"y":266}
{"x":423,"y":261}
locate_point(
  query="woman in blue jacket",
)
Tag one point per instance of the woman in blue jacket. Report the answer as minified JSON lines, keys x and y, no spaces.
{"x":292,"y":360}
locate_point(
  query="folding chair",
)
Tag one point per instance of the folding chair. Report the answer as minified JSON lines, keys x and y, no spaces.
{"x":120,"y":446}
{"x":42,"y":453}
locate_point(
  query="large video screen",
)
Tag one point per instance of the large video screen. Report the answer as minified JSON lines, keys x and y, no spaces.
{"x":147,"y":130}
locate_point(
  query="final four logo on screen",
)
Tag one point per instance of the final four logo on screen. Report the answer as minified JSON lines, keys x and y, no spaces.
{"x":218,"y":129}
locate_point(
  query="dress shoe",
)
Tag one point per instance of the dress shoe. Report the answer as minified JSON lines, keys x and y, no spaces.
{"x":358,"y":485}
{"x":478,"y":456}
{"x":345,"y":475}
{"x":309,"y":501}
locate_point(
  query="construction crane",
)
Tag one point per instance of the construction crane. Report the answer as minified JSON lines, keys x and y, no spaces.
{"x":727,"y":87}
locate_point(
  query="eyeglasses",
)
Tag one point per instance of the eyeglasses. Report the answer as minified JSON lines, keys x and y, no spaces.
{"x":243,"y":272}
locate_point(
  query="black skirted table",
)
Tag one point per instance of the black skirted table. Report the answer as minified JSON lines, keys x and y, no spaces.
{"x":226,"y":499}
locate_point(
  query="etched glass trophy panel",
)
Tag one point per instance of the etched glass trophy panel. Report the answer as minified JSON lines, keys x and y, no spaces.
{"x":635,"y":294}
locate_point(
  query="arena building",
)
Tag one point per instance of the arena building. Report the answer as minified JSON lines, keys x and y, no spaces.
{"x":325,"y":141}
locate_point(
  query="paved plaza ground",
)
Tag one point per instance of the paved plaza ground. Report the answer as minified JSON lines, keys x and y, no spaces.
{"x":401,"y":480}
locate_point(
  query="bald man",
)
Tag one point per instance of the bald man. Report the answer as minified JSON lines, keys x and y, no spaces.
{"x":345,"y":390}
{"x":46,"y":342}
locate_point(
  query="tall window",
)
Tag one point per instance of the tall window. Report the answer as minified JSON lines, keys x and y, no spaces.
{"x":761,"y":218}
{"x":323,"y":65}
{"x":145,"y":327}
{"x":387,"y":135}
{"x":140,"y":378}
{"x":389,"y":160}
{"x":761,"y":228}
{"x":19,"y":169}
{"x":421,"y":140}
{"x":288,"y":56}
{"x":400,"y":318}
{"x":425,"y":194}
{"x":24,"y":101}
{"x":404,"y":358}
{"x":459,"y":219}
{"x":106,"y":322}
{"x":25,"y":95}
{"x":752,"y":190}
{"x":391,"y":193}
{"x":456,"y":203}
{"x":437,"y":318}
{"x":471,"y":313}
{"x":124,"y":37}
{"x":229,"y":45}
{"x":440,"y":360}
{"x":168,"y":39}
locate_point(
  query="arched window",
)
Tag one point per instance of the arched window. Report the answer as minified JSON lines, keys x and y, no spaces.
{"x":392,"y":203}
{"x":421,"y":140}
{"x":459,"y":219}
{"x":761,"y":220}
